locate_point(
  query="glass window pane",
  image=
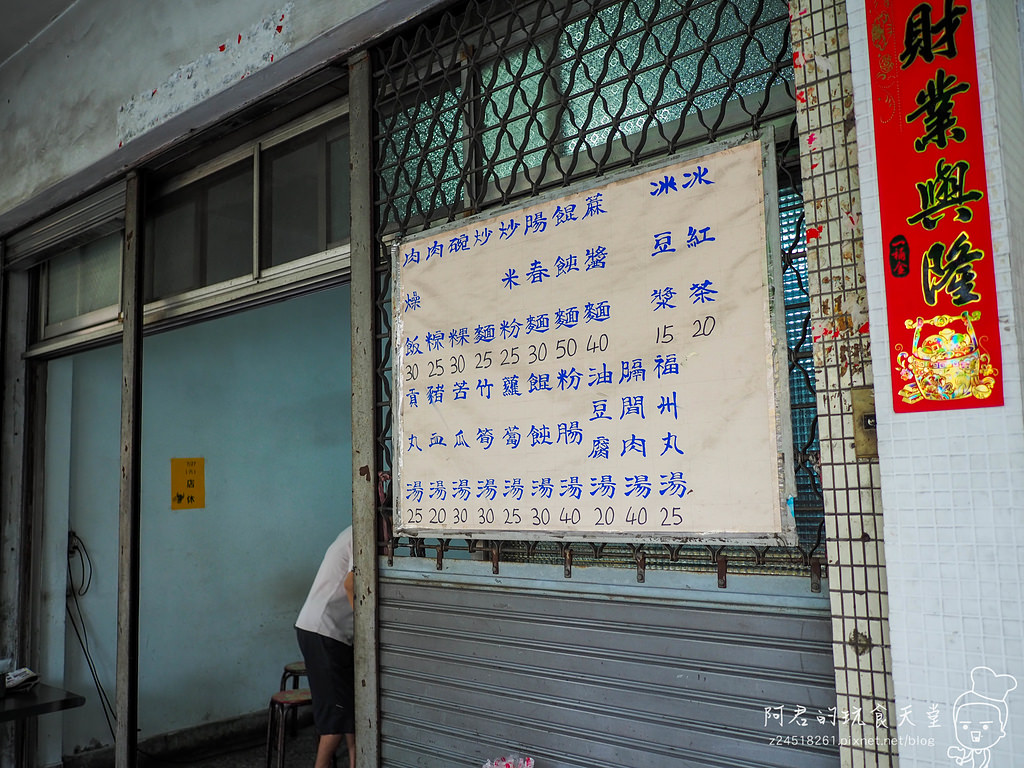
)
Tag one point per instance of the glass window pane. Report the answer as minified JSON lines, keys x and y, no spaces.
{"x":339,"y":191}
{"x":620,"y":84}
{"x":519,"y":104}
{"x":292,"y":194}
{"x":62,"y":287}
{"x":101,"y":273}
{"x":422,"y":160}
{"x":172,"y":255}
{"x":84,"y":279}
{"x":229,"y":227}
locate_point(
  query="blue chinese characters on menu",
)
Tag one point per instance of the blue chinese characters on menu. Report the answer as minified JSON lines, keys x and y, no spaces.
{"x":558,"y":351}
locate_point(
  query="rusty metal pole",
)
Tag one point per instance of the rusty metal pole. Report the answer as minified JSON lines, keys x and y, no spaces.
{"x":16,"y":445}
{"x":127,"y":673}
{"x":364,"y":468}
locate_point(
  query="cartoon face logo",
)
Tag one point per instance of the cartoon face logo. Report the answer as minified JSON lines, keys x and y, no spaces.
{"x":979,"y":725}
{"x":980,"y":716}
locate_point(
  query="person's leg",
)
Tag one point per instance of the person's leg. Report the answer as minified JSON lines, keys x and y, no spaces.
{"x":342,"y":671}
{"x":318,"y":651}
{"x":325,"y":749}
{"x":351,"y":739}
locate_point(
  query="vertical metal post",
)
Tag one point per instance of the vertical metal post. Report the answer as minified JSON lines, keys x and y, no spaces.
{"x":364,"y":468}
{"x":15,"y":517}
{"x":127,"y":674}
{"x":257,"y":246}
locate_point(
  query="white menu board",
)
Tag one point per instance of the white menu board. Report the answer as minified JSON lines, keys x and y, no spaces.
{"x":604,"y":364}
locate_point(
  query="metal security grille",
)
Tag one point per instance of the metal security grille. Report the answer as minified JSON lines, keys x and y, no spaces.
{"x":503,"y":99}
{"x":493,"y":102}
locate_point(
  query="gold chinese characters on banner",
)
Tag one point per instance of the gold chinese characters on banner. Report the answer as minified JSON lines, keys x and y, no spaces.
{"x":940,"y":286}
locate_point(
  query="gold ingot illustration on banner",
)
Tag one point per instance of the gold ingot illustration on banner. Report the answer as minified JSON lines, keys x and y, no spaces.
{"x":948,"y":365}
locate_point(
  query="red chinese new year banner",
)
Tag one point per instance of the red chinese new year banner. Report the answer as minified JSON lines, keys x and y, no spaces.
{"x":937,"y":242}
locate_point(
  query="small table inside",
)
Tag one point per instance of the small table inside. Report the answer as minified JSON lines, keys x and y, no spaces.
{"x":38,"y":700}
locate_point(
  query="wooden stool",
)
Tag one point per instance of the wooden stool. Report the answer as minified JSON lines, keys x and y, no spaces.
{"x":293,"y":672}
{"x":281,"y":703}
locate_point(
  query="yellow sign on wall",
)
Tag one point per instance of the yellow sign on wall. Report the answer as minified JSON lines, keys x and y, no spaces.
{"x":188,"y":483}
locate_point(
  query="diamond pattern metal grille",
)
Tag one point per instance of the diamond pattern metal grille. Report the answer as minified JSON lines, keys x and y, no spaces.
{"x":497,"y":101}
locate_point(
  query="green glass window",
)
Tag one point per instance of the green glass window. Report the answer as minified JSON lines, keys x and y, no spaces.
{"x":83,"y":280}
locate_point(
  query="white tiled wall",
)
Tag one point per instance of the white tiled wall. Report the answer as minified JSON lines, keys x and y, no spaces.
{"x":953,"y":481}
{"x":851,"y":484}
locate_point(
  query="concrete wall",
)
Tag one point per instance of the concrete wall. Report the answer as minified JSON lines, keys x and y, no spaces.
{"x":80,"y":104}
{"x":265,"y":398}
{"x":105,"y":68}
{"x":953,"y":481}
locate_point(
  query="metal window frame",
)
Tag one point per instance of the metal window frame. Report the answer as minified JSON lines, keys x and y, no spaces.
{"x":617,"y":152}
{"x":95,"y":215}
{"x":95,"y":317}
{"x":103,"y":212}
{"x":320,"y":133}
{"x":195,"y":195}
{"x":252,"y":151}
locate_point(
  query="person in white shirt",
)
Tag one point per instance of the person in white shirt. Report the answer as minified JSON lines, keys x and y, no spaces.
{"x":324,"y":629}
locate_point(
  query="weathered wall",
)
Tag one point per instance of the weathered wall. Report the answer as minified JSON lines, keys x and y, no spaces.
{"x":107,"y":70}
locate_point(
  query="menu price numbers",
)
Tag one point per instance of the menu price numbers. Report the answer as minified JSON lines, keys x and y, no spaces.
{"x":705,"y":326}
{"x":432,"y":516}
{"x":540,"y":352}
{"x":541,"y":517}
{"x":636,"y":518}
{"x":436,"y":368}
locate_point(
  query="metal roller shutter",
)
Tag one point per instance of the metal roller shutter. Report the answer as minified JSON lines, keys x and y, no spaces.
{"x":579,"y":674}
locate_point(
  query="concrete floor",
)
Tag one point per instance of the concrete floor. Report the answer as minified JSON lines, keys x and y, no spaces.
{"x":247,"y":752}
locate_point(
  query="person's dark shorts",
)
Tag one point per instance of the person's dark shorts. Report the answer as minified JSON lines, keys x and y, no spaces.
{"x":329,"y":669}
